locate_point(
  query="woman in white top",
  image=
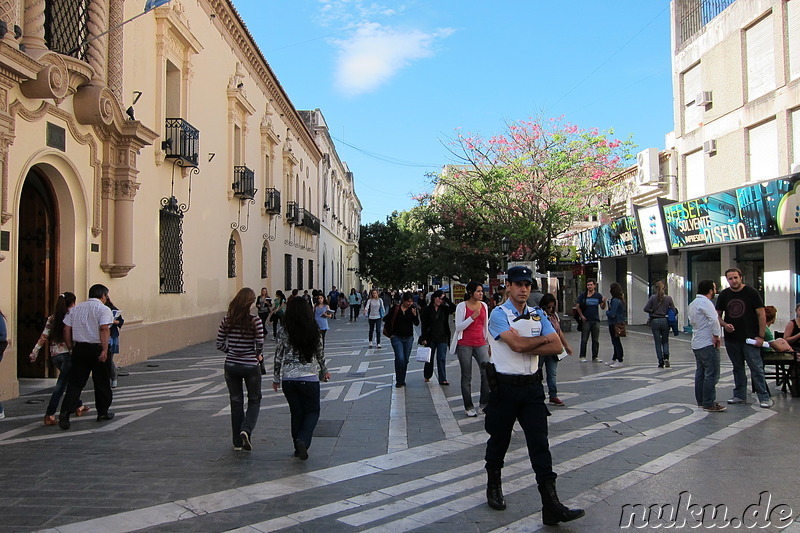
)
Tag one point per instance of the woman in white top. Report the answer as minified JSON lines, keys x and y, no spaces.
{"x":471,"y":340}
{"x":374,"y":311}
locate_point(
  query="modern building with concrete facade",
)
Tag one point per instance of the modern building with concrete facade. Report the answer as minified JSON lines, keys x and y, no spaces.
{"x":728,"y":195}
{"x":162,"y":159}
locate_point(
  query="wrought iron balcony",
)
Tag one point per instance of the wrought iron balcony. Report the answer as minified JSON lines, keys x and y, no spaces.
{"x":292,"y":212}
{"x":181,"y":142}
{"x":244,"y":183}
{"x":310,"y":222}
{"x":272,"y":203}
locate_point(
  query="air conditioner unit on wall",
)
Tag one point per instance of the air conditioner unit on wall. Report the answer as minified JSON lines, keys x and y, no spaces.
{"x":647,"y":167}
{"x":710,"y":147}
{"x":703,"y":98}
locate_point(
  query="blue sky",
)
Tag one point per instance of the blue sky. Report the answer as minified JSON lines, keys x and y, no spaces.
{"x":396,"y":79}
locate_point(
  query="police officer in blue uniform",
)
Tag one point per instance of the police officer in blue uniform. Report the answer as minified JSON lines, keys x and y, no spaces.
{"x":518,"y":336}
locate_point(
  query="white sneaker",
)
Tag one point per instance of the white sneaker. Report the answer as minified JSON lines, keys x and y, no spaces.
{"x":766,"y":404}
{"x":735,"y":400}
{"x":583,"y":359}
{"x":616,"y":364}
{"x":598,"y":360}
{"x":370,"y":344}
{"x":2,"y":415}
{"x":379,"y":345}
{"x":471,"y":413}
{"x":114,"y":384}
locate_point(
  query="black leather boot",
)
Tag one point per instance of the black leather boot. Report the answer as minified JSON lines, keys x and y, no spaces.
{"x":553,"y":511}
{"x":494,"y":489}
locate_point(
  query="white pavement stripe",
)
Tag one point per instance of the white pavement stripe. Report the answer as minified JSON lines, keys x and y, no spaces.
{"x":398,"y":425}
{"x":119,"y":421}
{"x":532,"y":522}
{"x":448,"y":422}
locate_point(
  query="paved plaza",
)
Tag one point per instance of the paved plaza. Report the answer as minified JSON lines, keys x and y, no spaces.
{"x":387,"y":459}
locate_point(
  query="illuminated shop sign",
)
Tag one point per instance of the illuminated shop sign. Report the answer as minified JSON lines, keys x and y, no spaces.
{"x":651,"y":229}
{"x":762,"y":210}
{"x":618,"y":238}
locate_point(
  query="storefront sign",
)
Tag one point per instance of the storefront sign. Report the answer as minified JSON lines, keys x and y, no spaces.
{"x":651,"y":228}
{"x":762,"y":210}
{"x":618,"y":238}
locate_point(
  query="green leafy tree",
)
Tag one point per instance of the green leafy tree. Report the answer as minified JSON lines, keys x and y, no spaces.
{"x":530,"y":184}
{"x":386,"y":258}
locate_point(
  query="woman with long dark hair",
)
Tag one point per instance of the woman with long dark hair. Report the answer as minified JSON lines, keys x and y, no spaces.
{"x":436,"y":335}
{"x":59,"y":354}
{"x":322,"y":312}
{"x":471,"y":341}
{"x":374,"y":311}
{"x":400,"y":322}
{"x":616,"y":313}
{"x":299,"y":367}
{"x":657,"y":306}
{"x":241,"y":337}
{"x":113,"y":341}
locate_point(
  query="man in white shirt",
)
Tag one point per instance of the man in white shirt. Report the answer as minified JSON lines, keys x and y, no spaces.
{"x":705,"y":345}
{"x":87,"y":331}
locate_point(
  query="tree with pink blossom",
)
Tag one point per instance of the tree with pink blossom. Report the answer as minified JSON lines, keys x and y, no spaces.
{"x":531,"y":183}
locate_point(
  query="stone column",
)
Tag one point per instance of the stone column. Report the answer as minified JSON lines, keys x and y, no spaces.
{"x":9,"y":10}
{"x":97,"y":50}
{"x":33,"y":30}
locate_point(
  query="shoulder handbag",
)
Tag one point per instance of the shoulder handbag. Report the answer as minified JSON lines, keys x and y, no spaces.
{"x":388,"y":327}
{"x":619,"y":330}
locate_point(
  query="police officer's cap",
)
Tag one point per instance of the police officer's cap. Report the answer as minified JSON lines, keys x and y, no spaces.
{"x":519,"y":273}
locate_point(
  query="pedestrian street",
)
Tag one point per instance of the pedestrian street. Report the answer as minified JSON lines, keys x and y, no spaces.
{"x":387,"y":459}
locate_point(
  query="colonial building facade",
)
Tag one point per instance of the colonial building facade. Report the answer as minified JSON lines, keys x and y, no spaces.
{"x":162,"y":159}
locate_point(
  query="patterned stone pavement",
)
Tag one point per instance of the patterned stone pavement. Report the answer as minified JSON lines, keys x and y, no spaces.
{"x":629,"y":443}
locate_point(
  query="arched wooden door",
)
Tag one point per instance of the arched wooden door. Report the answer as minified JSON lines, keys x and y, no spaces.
{"x":36,"y":271}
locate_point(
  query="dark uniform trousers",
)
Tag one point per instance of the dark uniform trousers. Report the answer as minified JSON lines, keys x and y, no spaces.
{"x":524,"y":402}
{"x":85,"y":360}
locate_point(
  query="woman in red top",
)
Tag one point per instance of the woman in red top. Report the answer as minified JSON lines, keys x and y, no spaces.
{"x":471,"y":341}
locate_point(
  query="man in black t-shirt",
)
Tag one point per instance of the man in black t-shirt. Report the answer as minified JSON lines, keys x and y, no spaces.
{"x":741,"y":315}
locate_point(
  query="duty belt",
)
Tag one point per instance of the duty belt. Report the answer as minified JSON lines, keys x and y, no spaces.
{"x":520,"y":379}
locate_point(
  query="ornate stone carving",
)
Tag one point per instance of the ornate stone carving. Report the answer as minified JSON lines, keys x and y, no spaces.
{"x":33,"y":39}
{"x":115,"y":49}
{"x":51,"y":82}
{"x":126,"y":189}
{"x":98,"y":48}
{"x":94,"y":104}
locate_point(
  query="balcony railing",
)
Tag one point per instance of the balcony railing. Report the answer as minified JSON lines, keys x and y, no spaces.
{"x":692,"y":15}
{"x":182,"y":141}
{"x":272,"y":202}
{"x":66,"y":27}
{"x":244,"y":183}
{"x":310,"y":222}
{"x":292,"y":212}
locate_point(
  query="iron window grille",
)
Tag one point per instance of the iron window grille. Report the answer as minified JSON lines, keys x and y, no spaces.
{"x":264,"y":261}
{"x":287,"y":272}
{"x":66,"y":27}
{"x":292,"y":212}
{"x":299,"y":272}
{"x":182,"y":141}
{"x":272,"y":202}
{"x":244,"y":183}
{"x":232,"y":258}
{"x":170,"y":247}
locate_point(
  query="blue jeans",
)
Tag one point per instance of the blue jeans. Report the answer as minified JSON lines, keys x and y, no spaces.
{"x":590,"y":328}
{"x":63,"y":362}
{"x":250,"y":376}
{"x":465,"y":356}
{"x":402,"y":353}
{"x":438,"y":352}
{"x":739,"y":353}
{"x":303,"y":398}
{"x":660,"y":328}
{"x":550,"y":364}
{"x":706,"y":376}
{"x":616,"y":343}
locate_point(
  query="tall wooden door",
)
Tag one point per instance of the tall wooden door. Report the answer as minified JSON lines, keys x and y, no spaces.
{"x":36,"y":272}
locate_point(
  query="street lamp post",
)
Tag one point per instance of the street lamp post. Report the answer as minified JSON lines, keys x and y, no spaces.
{"x":505,"y":247}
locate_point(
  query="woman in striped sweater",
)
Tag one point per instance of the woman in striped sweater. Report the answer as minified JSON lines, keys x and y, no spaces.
{"x":241,"y":337}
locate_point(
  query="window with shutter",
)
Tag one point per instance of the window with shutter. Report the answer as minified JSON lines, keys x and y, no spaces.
{"x":695,"y":177}
{"x":760,"y":56}
{"x":692,"y":84}
{"x":762,"y":151}
{"x":793,"y":31}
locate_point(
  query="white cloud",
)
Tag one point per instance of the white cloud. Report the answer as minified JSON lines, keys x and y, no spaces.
{"x":376,"y":53}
